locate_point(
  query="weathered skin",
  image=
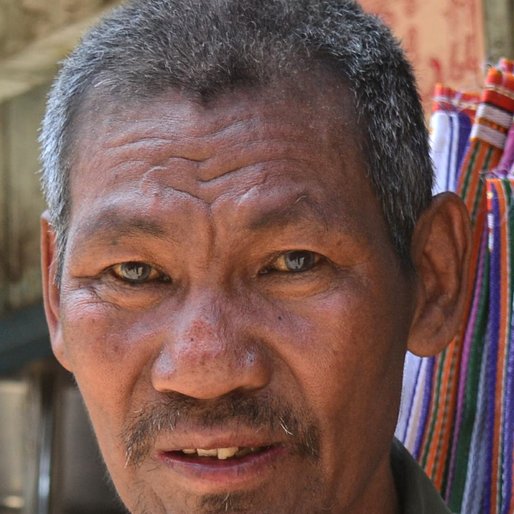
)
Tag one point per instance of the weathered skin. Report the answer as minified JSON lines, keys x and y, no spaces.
{"x":212,"y":196}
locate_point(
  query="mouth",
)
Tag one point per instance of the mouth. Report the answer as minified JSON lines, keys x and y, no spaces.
{"x":232,"y":453}
{"x":209,"y":470}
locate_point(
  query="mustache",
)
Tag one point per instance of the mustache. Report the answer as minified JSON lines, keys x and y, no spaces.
{"x":257,"y":413}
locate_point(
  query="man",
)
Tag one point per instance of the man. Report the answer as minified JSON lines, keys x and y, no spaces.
{"x":240,"y":246}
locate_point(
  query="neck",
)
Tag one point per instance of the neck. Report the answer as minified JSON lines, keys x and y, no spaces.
{"x":380,"y":495}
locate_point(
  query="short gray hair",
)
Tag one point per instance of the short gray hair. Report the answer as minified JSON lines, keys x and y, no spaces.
{"x":206,"y":47}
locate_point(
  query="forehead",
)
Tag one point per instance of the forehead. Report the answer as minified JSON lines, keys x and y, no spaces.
{"x":284,"y":140}
{"x":313,"y":103}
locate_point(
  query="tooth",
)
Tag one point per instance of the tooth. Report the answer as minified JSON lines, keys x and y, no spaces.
{"x":207,"y":453}
{"x":189,"y":451}
{"x":226,"y":453}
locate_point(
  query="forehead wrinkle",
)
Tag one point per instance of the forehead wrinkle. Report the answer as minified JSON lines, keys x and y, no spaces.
{"x":256,"y":166}
{"x":218,"y":158}
{"x":156,"y":150}
{"x":154,"y":130}
{"x":249,"y":151}
{"x":201,"y":135}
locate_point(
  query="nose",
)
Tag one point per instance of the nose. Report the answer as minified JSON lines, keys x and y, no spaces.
{"x":208,"y":350}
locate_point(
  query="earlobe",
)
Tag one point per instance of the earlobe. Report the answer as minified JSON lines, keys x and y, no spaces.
{"x":51,"y":290}
{"x":441,"y":247}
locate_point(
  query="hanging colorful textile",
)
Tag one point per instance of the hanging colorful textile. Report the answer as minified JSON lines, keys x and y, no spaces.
{"x":494,"y":117}
{"x":506,"y":165}
{"x":489,"y":478}
{"x":506,"y":65}
{"x":458,"y":421}
{"x":450,"y":125}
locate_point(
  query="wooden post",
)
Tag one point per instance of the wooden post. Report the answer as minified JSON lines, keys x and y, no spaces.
{"x":25,"y":202}
{"x":25,"y":76}
{"x":3,"y":213}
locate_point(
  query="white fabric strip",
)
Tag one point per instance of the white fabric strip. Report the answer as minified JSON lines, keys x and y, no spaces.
{"x":502,"y":118}
{"x":489,"y":135}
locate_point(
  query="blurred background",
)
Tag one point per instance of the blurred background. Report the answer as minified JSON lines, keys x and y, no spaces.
{"x":49,"y":463}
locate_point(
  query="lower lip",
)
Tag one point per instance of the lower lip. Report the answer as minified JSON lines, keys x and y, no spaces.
{"x":210,"y":474}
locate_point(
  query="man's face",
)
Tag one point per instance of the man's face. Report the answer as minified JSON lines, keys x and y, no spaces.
{"x":229,"y":286}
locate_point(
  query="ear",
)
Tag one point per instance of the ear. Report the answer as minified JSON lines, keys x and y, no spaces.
{"x":51,"y":290}
{"x":441,"y":247}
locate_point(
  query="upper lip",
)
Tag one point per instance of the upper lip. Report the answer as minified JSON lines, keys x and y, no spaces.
{"x":208,"y":441}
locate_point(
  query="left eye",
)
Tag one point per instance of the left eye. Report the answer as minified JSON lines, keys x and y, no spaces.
{"x":136,"y":272}
{"x":294,"y":262}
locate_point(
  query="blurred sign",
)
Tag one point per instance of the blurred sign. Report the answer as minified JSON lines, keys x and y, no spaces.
{"x":443,"y":38}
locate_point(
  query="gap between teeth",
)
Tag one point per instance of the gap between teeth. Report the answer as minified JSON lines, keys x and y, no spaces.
{"x":220,"y":453}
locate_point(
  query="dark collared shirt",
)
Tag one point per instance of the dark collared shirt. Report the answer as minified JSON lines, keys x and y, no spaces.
{"x":416,"y":492}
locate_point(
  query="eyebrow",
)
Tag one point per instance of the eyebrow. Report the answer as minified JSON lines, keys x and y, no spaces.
{"x":304,"y":208}
{"x":110,"y":223}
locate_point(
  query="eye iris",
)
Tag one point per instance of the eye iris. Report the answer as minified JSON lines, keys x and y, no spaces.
{"x":135,"y":271}
{"x":299,"y":261}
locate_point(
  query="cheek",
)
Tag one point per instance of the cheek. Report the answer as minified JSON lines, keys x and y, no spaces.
{"x":110,"y":351}
{"x":345,"y":333}
{"x":101,"y":332}
{"x":346,"y":351}
{"x":106,"y":353}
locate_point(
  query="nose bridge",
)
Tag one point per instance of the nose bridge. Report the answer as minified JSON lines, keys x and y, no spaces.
{"x":207,"y":352}
{"x":202,"y":329}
